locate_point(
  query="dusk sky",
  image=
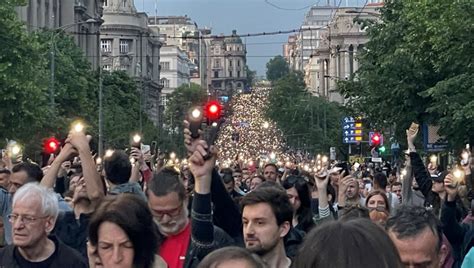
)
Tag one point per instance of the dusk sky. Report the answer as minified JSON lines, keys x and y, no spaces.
{"x":245,"y":16}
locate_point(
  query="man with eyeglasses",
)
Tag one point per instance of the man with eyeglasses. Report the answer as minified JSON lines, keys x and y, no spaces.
{"x":22,"y":174}
{"x":34,"y":214}
{"x":187,"y":241}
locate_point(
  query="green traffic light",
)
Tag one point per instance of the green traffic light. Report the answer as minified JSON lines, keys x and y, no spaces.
{"x":382,"y":149}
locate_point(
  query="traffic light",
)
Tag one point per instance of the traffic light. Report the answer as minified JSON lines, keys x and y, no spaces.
{"x":51,"y":145}
{"x":213,"y":111}
{"x":375,"y":139}
{"x":382,"y":149}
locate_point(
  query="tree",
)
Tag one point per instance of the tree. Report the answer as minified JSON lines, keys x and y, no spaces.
{"x":277,"y":68}
{"x":417,"y":66}
{"x":23,"y":106}
{"x":122,"y":111}
{"x":309,"y":122}
{"x":179,"y":103}
{"x":250,"y":76}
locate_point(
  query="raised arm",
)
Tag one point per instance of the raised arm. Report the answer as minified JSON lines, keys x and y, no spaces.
{"x":65,"y":154}
{"x":202,"y":228}
{"x":92,"y":178}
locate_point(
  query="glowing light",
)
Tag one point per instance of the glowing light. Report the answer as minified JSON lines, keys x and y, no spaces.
{"x":172,"y":155}
{"x":137,"y":138}
{"x":196,"y":113}
{"x":458,"y":173}
{"x":109,"y":153}
{"x":98,"y":160}
{"x":16,"y":149}
{"x":433,"y":158}
{"x":324,"y":159}
{"x":404,"y":172}
{"x":78,"y":127}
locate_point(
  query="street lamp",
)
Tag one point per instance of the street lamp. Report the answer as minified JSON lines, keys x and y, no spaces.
{"x":53,"y":54}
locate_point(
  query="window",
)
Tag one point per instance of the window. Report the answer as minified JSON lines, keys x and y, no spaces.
{"x":165,"y":66}
{"x":216,"y":74}
{"x":164,"y":100}
{"x":230,"y":73}
{"x":106,"y":68}
{"x":238,"y":63}
{"x":124,"y":46}
{"x":106,"y":45}
{"x":106,"y":3}
{"x":238,"y":73}
{"x":166,"y":82}
{"x":217,"y":63}
{"x":230,"y":63}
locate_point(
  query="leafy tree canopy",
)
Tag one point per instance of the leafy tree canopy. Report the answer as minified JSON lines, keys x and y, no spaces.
{"x":417,"y":66}
{"x":277,"y":68}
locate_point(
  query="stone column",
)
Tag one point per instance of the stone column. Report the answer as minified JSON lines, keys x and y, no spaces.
{"x":355,"y":55}
{"x":347,"y":59}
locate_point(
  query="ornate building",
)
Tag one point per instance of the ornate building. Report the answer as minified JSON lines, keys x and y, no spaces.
{"x":336,"y":57}
{"x":78,"y":17}
{"x":128,"y":44}
{"x":227,"y":65}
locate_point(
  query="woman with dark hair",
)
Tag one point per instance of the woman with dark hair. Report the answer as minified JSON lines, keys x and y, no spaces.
{"x":122,"y":234}
{"x":348,"y":244}
{"x":231,"y":257}
{"x":379,"y":208}
{"x":299,"y":194}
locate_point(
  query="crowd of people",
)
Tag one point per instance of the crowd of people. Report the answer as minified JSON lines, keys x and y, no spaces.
{"x":247,"y":136}
{"x":129,"y":212}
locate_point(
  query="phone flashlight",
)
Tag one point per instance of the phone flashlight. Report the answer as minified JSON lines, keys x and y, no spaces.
{"x":109,"y":153}
{"x":195,"y":117}
{"x":136,"y":140}
{"x":324,"y":159}
{"x":433,"y":159}
{"x":15,"y":149}
{"x":78,"y":127}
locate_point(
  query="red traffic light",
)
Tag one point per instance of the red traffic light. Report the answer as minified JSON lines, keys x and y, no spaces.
{"x":51,"y":145}
{"x":213,"y":110}
{"x":376,"y":139}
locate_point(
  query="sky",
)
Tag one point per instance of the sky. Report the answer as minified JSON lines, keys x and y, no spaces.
{"x":245,"y":16}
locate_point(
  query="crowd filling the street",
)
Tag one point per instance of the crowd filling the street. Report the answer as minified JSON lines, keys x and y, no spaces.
{"x":243,"y":202}
{"x":132,"y":138}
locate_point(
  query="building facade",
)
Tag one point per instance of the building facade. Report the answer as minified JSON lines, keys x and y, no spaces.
{"x":336,"y":58}
{"x":175,"y":70}
{"x":81,"y":18}
{"x":128,"y":44}
{"x":227,"y":65}
{"x":182,"y":32}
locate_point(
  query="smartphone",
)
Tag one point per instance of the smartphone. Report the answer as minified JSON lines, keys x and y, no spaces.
{"x":368,"y":187}
{"x":211,"y":135}
{"x":153,"y":147}
{"x":195,"y":117}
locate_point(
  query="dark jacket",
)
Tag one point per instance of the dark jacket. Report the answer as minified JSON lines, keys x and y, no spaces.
{"x":461,"y":236}
{"x":226,"y":214}
{"x":423,"y":179}
{"x":65,"y":257}
{"x":73,"y":232}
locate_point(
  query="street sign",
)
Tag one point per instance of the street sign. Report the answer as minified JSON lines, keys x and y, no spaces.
{"x":432,"y":141}
{"x":351,"y":130}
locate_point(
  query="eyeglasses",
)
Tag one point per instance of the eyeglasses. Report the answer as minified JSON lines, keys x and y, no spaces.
{"x":24,"y":218}
{"x":171,"y":212}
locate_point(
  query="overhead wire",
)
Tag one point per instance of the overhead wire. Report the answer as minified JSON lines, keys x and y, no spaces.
{"x":290,"y":9}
